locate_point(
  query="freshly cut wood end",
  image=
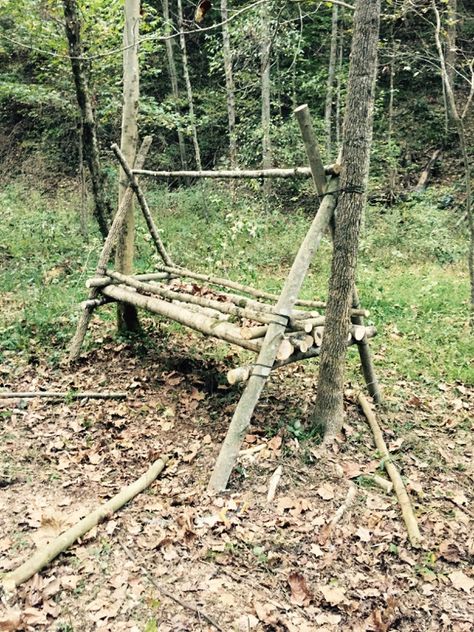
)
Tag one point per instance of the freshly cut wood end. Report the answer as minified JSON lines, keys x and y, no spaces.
{"x":285,"y":350}
{"x":239,"y":374}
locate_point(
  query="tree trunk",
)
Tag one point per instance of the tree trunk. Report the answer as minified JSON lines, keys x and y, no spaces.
{"x":328,"y":412}
{"x":90,"y":148}
{"x":451,"y":28}
{"x":458,"y":119}
{"x":267,"y":157}
{"x":330,"y":81}
{"x":127,"y":317}
{"x":173,"y":78}
{"x":189,"y":90}
{"x":340,"y":55}
{"x":229,"y":84}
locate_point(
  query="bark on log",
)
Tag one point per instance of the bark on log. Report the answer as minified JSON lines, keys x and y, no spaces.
{"x":105,"y":255}
{"x":266,"y":358}
{"x":45,"y":555}
{"x":198,"y":322}
{"x":400,"y":490}
{"x":193,"y":299}
{"x":235,"y":174}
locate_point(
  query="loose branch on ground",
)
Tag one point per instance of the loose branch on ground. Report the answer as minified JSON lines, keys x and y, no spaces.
{"x":63,"y":395}
{"x":164,"y":591}
{"x":48,"y":553}
{"x":400,"y":490}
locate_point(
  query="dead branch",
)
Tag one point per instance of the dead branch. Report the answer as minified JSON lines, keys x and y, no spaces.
{"x":48,"y":553}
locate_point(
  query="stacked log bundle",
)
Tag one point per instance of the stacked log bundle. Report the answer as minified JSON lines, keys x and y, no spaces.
{"x":237,"y":319}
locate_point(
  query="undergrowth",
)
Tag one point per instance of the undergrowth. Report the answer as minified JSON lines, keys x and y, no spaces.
{"x":412,"y":273}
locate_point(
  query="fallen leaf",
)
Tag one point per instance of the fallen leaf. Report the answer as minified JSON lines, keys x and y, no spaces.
{"x":326,"y":491}
{"x":327,"y":617}
{"x":300,"y":595}
{"x":461,"y":581}
{"x":10,"y":621}
{"x":333,"y":594}
{"x":363,"y":534}
{"x":449,"y":551}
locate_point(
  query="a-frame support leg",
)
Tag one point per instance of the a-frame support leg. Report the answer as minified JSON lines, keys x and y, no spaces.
{"x":105,"y":255}
{"x":317,"y":171}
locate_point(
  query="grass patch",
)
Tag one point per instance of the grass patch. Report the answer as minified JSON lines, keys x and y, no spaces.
{"x":412,"y":273}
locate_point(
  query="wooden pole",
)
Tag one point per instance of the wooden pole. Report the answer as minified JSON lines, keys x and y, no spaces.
{"x":233,"y":285}
{"x":242,"y":373}
{"x":199,"y":322}
{"x":266,"y":358}
{"x":105,"y":255}
{"x":400,"y":490}
{"x":47,"y":553}
{"x":235,"y":174}
{"x":144,"y":206}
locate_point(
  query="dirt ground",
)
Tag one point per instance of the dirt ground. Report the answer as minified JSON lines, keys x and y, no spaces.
{"x":235,"y":562}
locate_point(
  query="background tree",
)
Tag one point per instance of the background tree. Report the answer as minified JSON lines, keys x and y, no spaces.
{"x":89,"y":144}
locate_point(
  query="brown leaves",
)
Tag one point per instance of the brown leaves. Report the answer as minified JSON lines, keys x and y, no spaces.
{"x":460,"y":581}
{"x":300,"y":594}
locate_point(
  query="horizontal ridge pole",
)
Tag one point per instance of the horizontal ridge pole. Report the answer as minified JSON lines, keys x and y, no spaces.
{"x":302,"y":172}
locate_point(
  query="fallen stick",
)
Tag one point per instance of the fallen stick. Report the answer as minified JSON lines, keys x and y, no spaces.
{"x":46,"y":554}
{"x":327,"y":530}
{"x":62,"y":395}
{"x":400,"y":490}
{"x":170,"y":595}
{"x":273,"y":483}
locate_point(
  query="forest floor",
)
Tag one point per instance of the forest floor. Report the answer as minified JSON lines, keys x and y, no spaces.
{"x":247,"y":563}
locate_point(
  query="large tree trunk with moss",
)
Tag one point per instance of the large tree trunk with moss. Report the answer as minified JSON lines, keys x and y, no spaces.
{"x":173,"y":77}
{"x":328,"y":412}
{"x":127,"y":317}
{"x":229,"y":84}
{"x":90,"y":146}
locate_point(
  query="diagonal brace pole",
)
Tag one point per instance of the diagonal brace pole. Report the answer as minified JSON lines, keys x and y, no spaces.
{"x":266,"y":358}
{"x":133,"y":183}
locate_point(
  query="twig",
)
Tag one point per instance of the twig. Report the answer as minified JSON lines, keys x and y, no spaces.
{"x":164,"y":591}
{"x":62,"y":395}
{"x":400,"y":490}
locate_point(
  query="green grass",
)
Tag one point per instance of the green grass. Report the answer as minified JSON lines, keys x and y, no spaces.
{"x":412,"y":273}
